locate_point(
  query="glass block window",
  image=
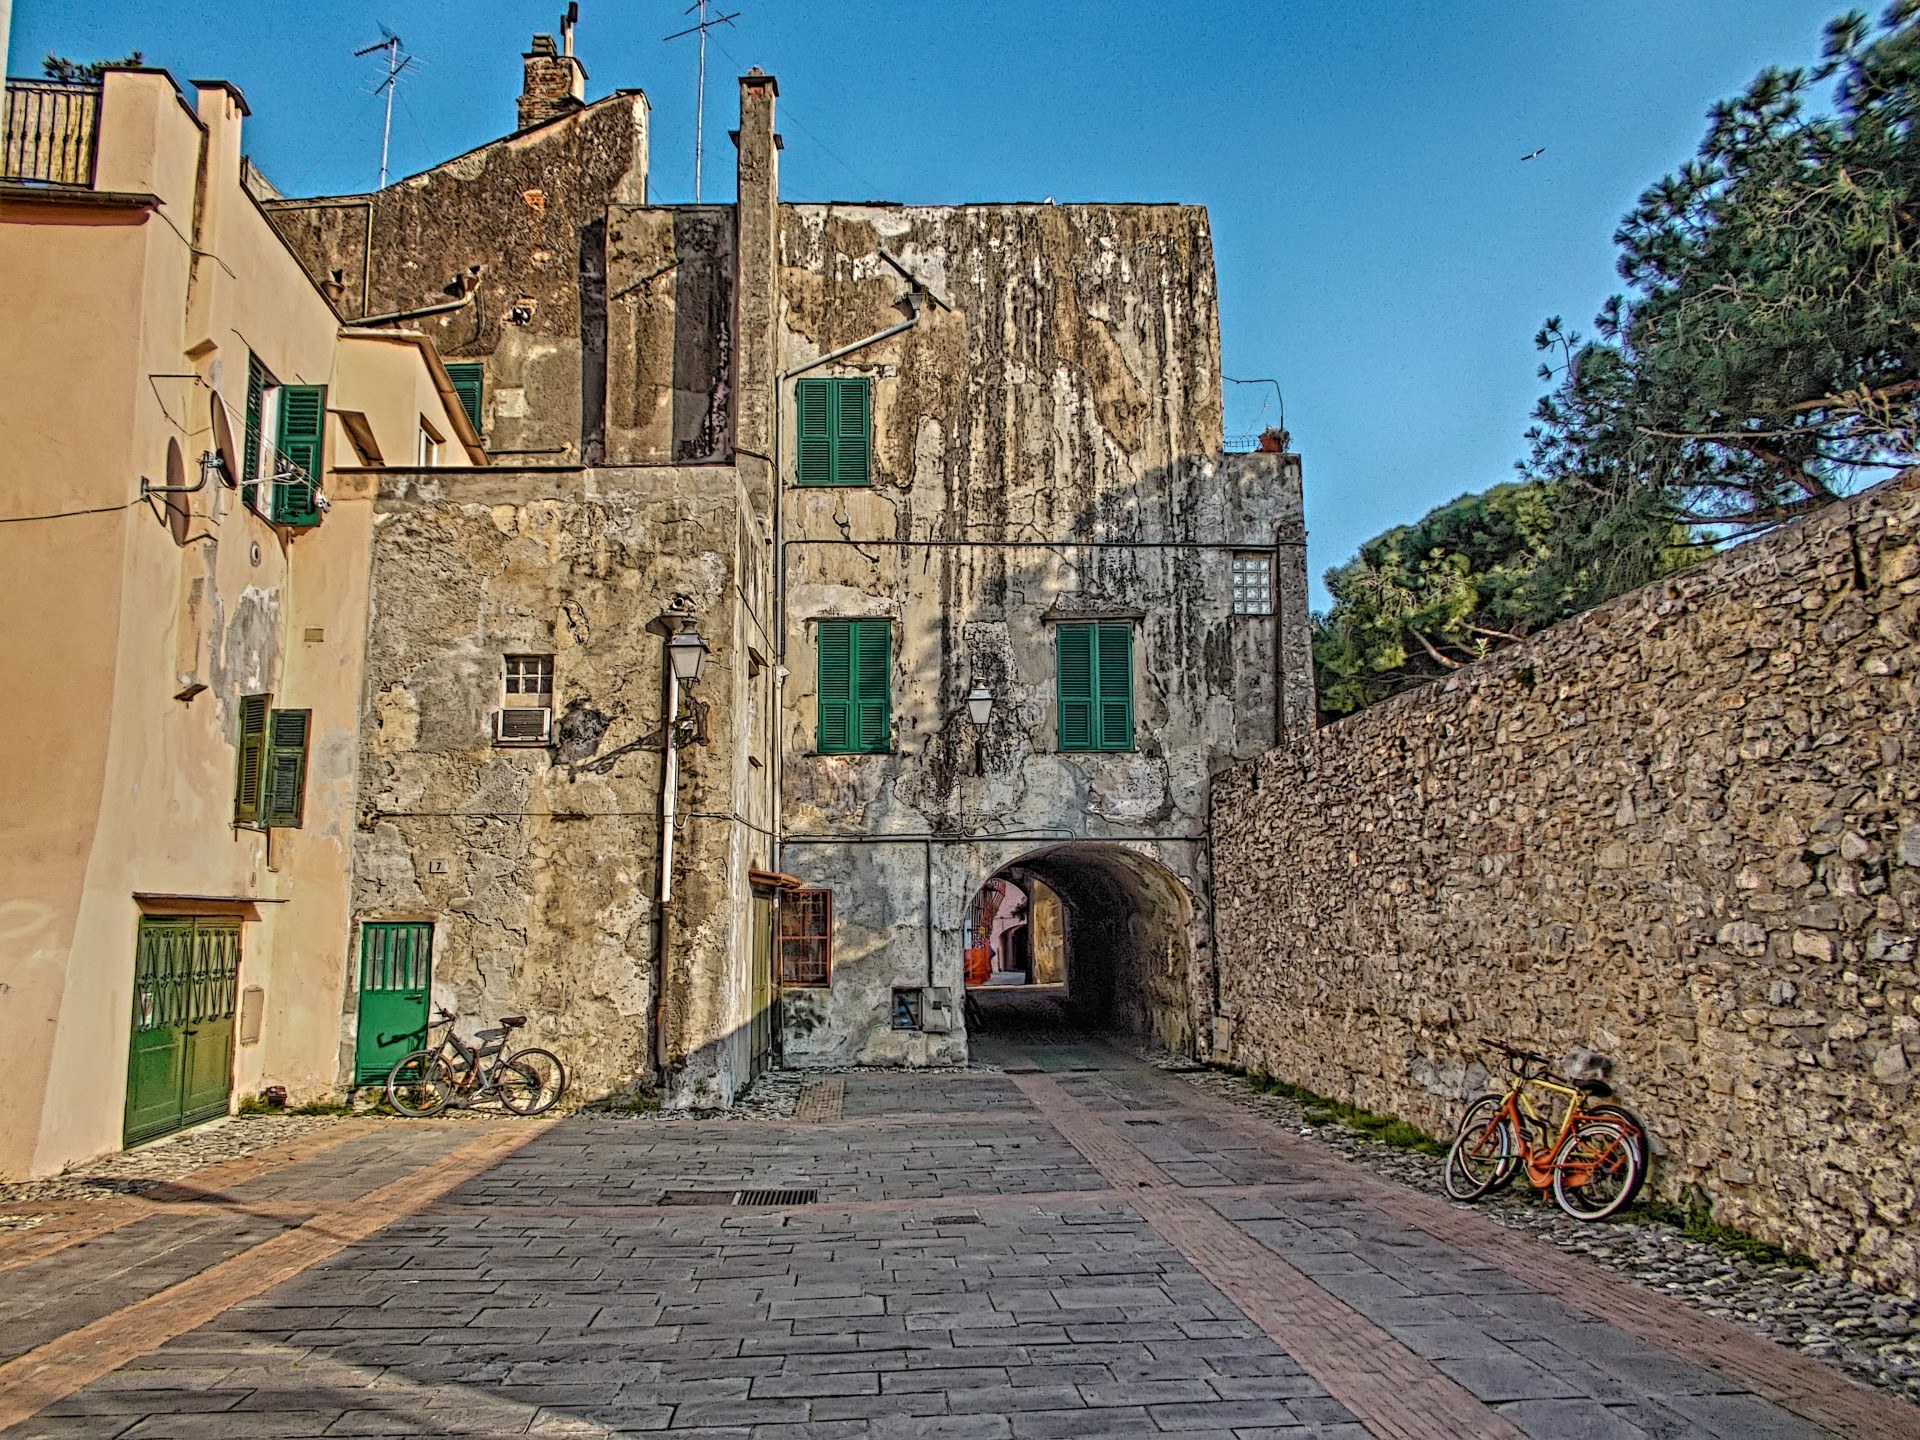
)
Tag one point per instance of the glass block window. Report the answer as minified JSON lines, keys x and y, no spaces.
{"x":1252,"y":583}
{"x":529,"y":674}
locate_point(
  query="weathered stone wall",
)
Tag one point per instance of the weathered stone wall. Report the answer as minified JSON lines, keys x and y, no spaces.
{"x":1683,"y":829}
{"x":539,"y":865}
{"x":1045,"y":447}
{"x":531,"y":212}
{"x":670,"y":302}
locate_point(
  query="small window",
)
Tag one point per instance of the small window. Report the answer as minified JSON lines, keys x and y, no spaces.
{"x":427,"y":453}
{"x":1094,"y":661}
{"x":270,"y":789}
{"x":906,"y":1009}
{"x":834,"y":425}
{"x":806,"y":921}
{"x":1252,"y":583}
{"x":529,"y":676}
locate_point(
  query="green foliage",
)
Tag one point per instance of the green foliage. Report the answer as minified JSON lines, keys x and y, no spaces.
{"x":59,"y":67}
{"x":1694,"y":1219}
{"x":1476,"y":573}
{"x":1767,"y":358}
{"x":1386,"y":1129}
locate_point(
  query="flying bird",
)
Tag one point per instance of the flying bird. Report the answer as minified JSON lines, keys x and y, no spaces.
{"x":1535,"y":156}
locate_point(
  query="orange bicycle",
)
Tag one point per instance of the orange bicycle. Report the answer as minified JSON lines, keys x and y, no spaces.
{"x":1593,"y":1161}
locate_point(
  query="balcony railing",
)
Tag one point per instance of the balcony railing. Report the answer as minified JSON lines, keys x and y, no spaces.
{"x":51,"y":133}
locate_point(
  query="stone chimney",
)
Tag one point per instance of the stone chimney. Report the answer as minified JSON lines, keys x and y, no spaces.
{"x":756,"y":243}
{"x":556,"y":81}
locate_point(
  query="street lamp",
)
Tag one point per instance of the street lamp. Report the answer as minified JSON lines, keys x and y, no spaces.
{"x":687,"y":652}
{"x":980,"y":704}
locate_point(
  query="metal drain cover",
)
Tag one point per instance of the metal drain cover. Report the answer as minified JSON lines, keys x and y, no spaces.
{"x":956,"y":1220}
{"x":752,"y":1198}
{"x":696,"y":1197}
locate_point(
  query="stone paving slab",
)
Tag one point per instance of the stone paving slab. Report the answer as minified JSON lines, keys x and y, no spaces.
{"x":1042,"y":1265}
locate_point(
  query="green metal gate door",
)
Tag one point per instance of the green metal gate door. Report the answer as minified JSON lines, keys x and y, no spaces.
{"x":396,"y":968}
{"x":180,"y":1061}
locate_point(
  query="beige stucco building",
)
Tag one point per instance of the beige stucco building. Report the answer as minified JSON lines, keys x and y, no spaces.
{"x":159,"y":952}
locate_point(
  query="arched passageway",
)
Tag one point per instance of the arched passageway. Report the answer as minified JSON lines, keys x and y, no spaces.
{"x":1090,"y":928}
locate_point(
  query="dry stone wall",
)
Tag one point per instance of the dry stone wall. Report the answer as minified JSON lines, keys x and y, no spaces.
{"x":1683,"y":829}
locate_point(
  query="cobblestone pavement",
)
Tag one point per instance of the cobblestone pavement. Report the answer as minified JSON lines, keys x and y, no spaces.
{"x":1072,"y":1244}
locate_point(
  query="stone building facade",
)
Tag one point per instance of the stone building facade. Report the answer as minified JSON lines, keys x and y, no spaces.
{"x":1039,"y":445}
{"x":1683,"y":829}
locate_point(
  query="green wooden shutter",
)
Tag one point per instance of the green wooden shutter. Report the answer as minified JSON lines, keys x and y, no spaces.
{"x":872,"y":700}
{"x":852,"y":443}
{"x":250,"y":459}
{"x":835,"y":689}
{"x":469,"y":383}
{"x":1114,"y":676}
{"x":286,"y":779}
{"x":812,"y":399}
{"x":1074,"y":661}
{"x":248,"y":787}
{"x":303,"y":417}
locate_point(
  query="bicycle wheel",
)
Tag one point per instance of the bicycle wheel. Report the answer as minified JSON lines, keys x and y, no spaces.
{"x":1596,"y":1172}
{"x":1483,"y":1154}
{"x":530,"y":1081}
{"x":420,"y":1085}
{"x":1636,"y":1134}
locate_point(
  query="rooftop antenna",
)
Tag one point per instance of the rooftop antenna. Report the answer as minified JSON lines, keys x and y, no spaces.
{"x":700,"y":102}
{"x":397,"y":65}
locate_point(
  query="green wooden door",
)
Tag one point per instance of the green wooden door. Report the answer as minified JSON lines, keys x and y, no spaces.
{"x":761,"y":1033}
{"x":396,"y":968}
{"x":180,"y":1059}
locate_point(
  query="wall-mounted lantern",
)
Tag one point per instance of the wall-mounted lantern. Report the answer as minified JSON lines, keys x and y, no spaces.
{"x":687,"y":652}
{"x":980,"y":705}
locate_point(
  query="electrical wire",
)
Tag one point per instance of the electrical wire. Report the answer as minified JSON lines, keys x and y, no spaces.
{"x":68,"y":514}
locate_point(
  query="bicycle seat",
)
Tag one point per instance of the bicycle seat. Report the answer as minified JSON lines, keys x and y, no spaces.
{"x":1599,"y":1089}
{"x":513,"y":1022}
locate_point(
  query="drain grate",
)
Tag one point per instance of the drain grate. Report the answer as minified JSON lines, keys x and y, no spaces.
{"x":753,"y":1198}
{"x":956,"y":1220}
{"x":776,"y":1197}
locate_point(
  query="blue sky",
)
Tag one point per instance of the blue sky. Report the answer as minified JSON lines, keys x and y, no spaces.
{"x":1383,"y":253}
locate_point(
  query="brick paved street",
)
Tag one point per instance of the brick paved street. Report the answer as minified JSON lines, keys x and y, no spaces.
{"x":1081,"y":1247}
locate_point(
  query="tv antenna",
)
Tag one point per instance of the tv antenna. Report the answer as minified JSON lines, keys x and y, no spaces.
{"x":397,"y":65}
{"x":700,"y":101}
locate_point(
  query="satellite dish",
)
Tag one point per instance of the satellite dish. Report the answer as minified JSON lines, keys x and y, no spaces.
{"x":179,"y":514}
{"x":223,"y":442}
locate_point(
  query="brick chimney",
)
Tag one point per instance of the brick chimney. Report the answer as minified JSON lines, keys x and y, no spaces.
{"x":556,"y":81}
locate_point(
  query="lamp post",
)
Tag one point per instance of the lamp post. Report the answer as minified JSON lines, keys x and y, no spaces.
{"x":686,"y":656}
{"x":980,"y":710}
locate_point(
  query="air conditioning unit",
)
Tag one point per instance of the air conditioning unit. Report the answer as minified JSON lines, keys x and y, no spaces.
{"x":523,"y":727}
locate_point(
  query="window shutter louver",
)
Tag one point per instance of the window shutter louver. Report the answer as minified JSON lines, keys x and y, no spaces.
{"x":250,"y":458}
{"x":249,"y":785}
{"x":303,"y":415}
{"x":1073,"y":649}
{"x":835,"y":687}
{"x":851,"y":433}
{"x":873,"y":703}
{"x":1115,"y":672}
{"x":287,"y":768}
{"x":469,"y":383}
{"x":815,"y":425}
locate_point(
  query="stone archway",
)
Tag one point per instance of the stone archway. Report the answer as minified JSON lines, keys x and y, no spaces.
{"x":1126,"y":923}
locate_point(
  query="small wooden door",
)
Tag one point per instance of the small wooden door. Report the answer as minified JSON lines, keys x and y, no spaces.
{"x":762,"y":1028}
{"x":180,"y":1059}
{"x":396,"y":971}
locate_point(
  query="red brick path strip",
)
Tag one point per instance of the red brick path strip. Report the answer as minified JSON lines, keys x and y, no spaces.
{"x":58,"y":1368}
{"x":72,"y":1221}
{"x":820,"y":1099}
{"x":1395,"y":1393}
{"x":1815,"y":1392}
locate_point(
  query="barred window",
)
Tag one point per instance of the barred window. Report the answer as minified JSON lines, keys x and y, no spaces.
{"x":529,"y":674}
{"x":1252,"y":583}
{"x":806,"y":943}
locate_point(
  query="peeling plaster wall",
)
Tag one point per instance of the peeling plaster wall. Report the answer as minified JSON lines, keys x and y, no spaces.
{"x":670,"y":334}
{"x":547,"y":858}
{"x":1046,"y":448}
{"x":531,"y":211}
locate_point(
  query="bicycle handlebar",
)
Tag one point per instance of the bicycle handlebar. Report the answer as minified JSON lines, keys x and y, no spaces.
{"x":1523,"y":1057}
